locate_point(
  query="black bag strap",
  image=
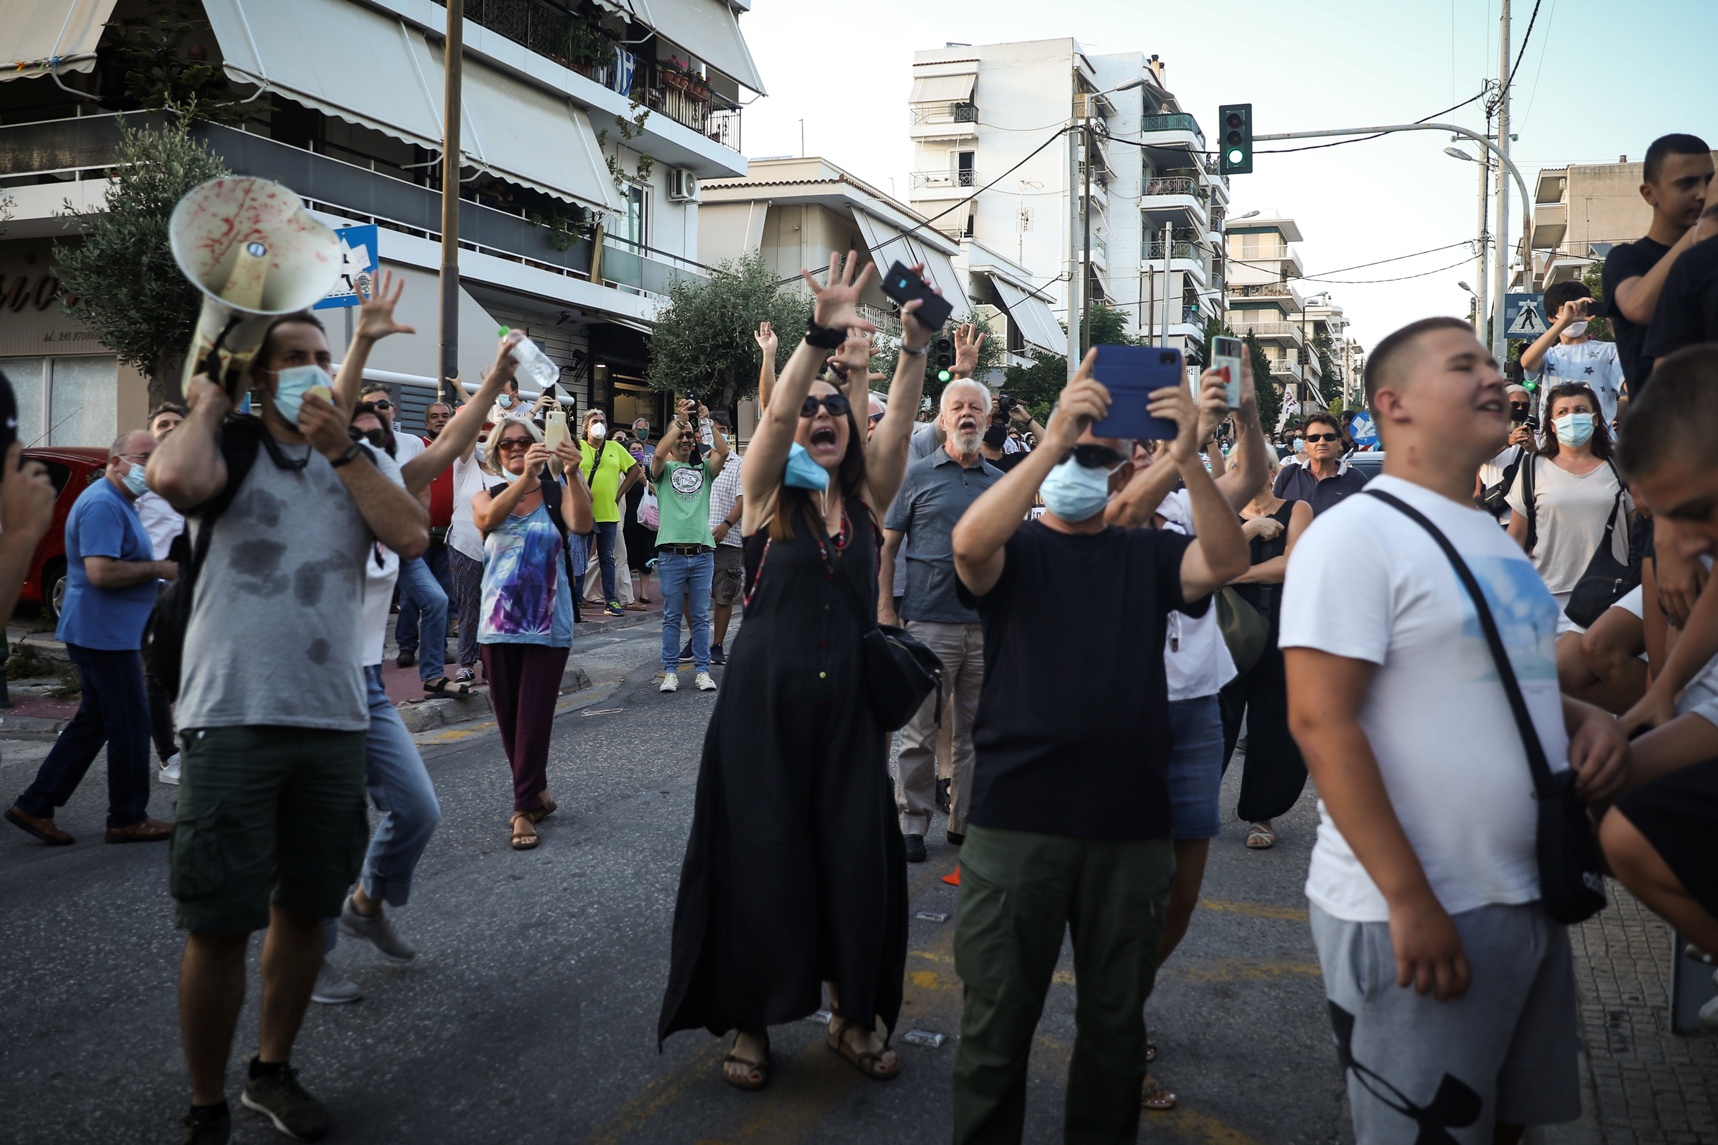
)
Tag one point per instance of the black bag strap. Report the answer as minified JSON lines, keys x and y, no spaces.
{"x":1529,"y":498}
{"x":551,"y":506}
{"x":1536,"y":761}
{"x":240,"y":439}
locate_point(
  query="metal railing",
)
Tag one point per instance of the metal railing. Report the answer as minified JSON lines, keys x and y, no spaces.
{"x":937,"y":180}
{"x":1180,"y":121}
{"x":1270,"y":330}
{"x":1261,"y":290}
{"x":1175,"y":185}
{"x":944,"y":113}
{"x":1099,"y":245}
{"x":1188,"y":250}
{"x":1283,"y":367}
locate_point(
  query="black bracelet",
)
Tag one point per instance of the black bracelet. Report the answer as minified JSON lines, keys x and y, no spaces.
{"x":353,"y":452}
{"x":824,"y":337}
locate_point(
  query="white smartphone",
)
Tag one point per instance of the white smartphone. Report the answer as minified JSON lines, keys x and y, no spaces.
{"x":1226,"y":355}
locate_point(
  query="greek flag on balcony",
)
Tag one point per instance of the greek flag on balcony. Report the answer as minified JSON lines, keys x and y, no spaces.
{"x":625,"y":63}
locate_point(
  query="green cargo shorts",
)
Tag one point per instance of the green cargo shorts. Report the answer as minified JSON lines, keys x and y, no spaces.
{"x":266,"y":815}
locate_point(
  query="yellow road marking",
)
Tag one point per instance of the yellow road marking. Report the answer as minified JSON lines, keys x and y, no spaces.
{"x":1257,"y":909}
{"x":657,"y":1095}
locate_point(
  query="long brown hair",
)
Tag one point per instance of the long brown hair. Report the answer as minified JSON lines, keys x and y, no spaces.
{"x":849,"y":480}
{"x":1601,"y":431}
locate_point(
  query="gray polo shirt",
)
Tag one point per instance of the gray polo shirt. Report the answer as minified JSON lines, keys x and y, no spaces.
{"x":936,"y":491}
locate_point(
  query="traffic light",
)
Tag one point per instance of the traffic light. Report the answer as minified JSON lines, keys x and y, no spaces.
{"x":1237,"y":135}
{"x":942,"y":352}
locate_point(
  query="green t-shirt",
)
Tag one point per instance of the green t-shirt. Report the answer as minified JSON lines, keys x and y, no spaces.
{"x":605,"y":481}
{"x":683,"y":500}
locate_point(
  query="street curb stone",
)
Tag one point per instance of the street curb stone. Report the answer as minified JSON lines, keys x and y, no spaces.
{"x":451,"y":710}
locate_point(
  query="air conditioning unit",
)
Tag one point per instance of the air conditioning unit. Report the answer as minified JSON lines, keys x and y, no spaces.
{"x":682,"y":186}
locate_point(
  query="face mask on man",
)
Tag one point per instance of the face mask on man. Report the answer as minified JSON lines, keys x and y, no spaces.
{"x":135,"y":482}
{"x":1074,"y":492}
{"x":1575,"y":329}
{"x":505,"y":401}
{"x":291,"y":386}
{"x":1575,"y":429}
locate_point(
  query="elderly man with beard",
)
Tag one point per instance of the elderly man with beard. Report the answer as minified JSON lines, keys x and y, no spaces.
{"x":936,"y":491}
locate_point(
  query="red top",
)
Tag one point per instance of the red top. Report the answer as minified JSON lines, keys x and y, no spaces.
{"x":441,"y":498}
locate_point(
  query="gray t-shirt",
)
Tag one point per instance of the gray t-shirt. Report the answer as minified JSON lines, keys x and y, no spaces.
{"x":277,"y":624}
{"x":934,"y":494}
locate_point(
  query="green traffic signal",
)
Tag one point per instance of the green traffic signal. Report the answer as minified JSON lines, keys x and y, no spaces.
{"x":943,"y":375}
{"x":1236,"y":120}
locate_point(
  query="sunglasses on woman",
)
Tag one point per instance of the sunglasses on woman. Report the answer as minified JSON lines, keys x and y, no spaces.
{"x":507,"y":443}
{"x":837,"y":405}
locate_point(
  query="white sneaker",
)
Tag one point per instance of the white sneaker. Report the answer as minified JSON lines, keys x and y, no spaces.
{"x":704,"y":682}
{"x":334,"y":988}
{"x":169,"y":772}
{"x":670,"y":682}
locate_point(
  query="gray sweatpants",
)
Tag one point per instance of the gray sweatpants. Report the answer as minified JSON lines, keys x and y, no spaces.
{"x":1503,"y":1053}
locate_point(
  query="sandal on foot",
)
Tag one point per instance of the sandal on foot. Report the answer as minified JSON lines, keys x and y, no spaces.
{"x":743,"y":1080}
{"x":1155,"y":1097}
{"x":1260,"y":837}
{"x":868,"y":1062}
{"x":546,"y":808}
{"x":522,"y":840}
{"x":442,"y":686}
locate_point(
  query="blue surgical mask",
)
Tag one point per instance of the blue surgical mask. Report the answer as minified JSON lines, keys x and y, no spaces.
{"x":291,"y":386}
{"x":802,"y":472}
{"x":134,"y":479}
{"x":1075,"y":493}
{"x":1575,"y":429}
{"x":505,"y":401}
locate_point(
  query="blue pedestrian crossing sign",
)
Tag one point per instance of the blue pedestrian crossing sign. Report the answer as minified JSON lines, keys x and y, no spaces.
{"x":1363,"y":430}
{"x":358,"y":262}
{"x":1524,"y":316}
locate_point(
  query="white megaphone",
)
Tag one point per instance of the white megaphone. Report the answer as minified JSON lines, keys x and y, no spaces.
{"x":255,"y":253}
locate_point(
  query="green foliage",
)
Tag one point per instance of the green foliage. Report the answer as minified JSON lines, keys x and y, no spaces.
{"x":703,"y":343}
{"x":582,"y":43}
{"x":990,"y":352}
{"x":152,"y":53}
{"x":1329,"y":383}
{"x":1108,"y":327}
{"x":1270,"y":395}
{"x":127,"y":287}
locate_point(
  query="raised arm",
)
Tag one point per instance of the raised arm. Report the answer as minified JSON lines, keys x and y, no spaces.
{"x":768,"y":343}
{"x":981,"y":536}
{"x":886,"y":452}
{"x":665,"y":449}
{"x":576,"y":508}
{"x":460,"y":435}
{"x":187,"y":469}
{"x":1218,"y":553}
{"x":397,"y":518}
{"x":1325,"y":693}
{"x":1250,"y":460}
{"x":1138,"y":501}
{"x":1637,"y":297}
{"x":1574,"y":310}
{"x":375,"y":322}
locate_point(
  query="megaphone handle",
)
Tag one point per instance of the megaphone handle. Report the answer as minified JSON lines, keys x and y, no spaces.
{"x":212,"y":362}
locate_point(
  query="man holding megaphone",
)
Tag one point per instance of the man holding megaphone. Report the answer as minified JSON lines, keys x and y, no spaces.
{"x":272,"y":701}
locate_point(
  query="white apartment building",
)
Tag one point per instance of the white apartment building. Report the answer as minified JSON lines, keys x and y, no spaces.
{"x":977,"y":111}
{"x":572,"y":228}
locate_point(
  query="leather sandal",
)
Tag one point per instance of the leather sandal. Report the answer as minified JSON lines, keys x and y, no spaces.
{"x":870,"y":1063}
{"x":1260,"y":837}
{"x":521,"y":841}
{"x":546,"y":807}
{"x":1153,"y":1095}
{"x":742,"y":1080}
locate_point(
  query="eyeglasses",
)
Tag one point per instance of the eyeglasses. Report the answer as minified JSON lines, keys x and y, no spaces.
{"x":875,"y":418}
{"x":1321,"y":437}
{"x":836,"y":405}
{"x":1090,"y":456}
{"x":134,"y":458}
{"x":514,"y":443}
{"x":382,"y":404}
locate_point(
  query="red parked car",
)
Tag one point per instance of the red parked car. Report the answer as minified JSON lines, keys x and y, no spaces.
{"x":72,"y":469}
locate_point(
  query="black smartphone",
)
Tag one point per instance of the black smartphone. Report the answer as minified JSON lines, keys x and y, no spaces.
{"x":549,"y":390}
{"x":1531,"y":423}
{"x":903,"y":286}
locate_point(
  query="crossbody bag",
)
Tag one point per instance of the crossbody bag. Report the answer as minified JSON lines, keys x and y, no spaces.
{"x":1571,"y":871}
{"x":1605,"y":580}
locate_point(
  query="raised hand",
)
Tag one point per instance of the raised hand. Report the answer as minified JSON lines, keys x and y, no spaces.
{"x":376,"y":311}
{"x":967,"y":340}
{"x":854,"y":357}
{"x":1213,"y":403}
{"x":323,"y":423}
{"x":835,"y":306}
{"x":1083,"y":401}
{"x":766,"y":340}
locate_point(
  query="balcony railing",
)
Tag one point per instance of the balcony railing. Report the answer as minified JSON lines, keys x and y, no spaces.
{"x":1180,"y":121}
{"x":1152,"y":251}
{"x":1098,"y":244}
{"x":945,"y":113}
{"x":1176,"y":185}
{"x":1261,"y":290}
{"x":1270,"y":330}
{"x":942,"y":180}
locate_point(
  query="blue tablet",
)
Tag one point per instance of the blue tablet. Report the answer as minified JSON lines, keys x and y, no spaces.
{"x":1131,"y":374}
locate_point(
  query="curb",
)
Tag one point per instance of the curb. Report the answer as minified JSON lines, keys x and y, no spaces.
{"x":451,"y":710}
{"x":31,"y":725}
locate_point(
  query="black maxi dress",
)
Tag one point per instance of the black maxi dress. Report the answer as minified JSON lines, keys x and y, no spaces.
{"x":795,"y":872}
{"x":1275,"y":773}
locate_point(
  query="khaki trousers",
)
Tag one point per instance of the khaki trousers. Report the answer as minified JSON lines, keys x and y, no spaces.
{"x":960,"y":647}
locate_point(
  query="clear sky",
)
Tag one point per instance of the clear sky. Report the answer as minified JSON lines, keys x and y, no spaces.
{"x":1598,"y":80}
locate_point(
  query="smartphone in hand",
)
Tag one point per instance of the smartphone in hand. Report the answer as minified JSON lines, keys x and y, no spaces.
{"x":903,"y":285}
{"x":1226,"y":356}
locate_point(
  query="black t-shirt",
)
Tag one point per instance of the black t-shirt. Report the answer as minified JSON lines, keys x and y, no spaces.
{"x":1008,"y":460}
{"x":1626,"y":261}
{"x":1687,"y":312}
{"x":1072,"y":733}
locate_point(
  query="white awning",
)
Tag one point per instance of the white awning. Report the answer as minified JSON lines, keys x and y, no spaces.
{"x":332,"y":56}
{"x":943,"y":89}
{"x":940,"y":272}
{"x":1032,"y":314}
{"x":42,"y":36}
{"x":888,"y":245}
{"x":709,"y":30}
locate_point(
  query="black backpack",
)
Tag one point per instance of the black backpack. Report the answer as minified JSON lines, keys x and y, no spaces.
{"x":164,"y":634}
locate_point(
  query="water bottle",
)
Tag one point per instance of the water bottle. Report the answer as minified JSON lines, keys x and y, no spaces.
{"x":534,"y":365}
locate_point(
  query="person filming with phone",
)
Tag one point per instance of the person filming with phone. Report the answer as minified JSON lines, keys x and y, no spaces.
{"x":1566,"y":354}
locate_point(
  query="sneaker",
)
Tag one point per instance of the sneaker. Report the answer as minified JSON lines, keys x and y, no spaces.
{"x":686,"y":653}
{"x":279,"y":1097}
{"x":406,"y":658}
{"x":716,"y":656}
{"x":465,"y":676}
{"x":333,"y":988}
{"x":614,"y":609}
{"x":942,"y":795}
{"x":956,"y":838}
{"x":208,"y":1125}
{"x":915,"y":848}
{"x":705,"y":682}
{"x":169,"y":772}
{"x":670,"y":682}
{"x":377,"y":931}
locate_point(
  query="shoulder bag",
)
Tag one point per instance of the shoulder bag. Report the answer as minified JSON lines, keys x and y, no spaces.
{"x":1244,"y":628}
{"x":1494,"y":499}
{"x":1571,"y":871}
{"x":164,"y":633}
{"x":900,"y":669}
{"x":1605,"y":579}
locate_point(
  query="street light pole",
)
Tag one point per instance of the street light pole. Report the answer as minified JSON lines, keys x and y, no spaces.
{"x":1074,"y":283}
{"x":452,"y":57}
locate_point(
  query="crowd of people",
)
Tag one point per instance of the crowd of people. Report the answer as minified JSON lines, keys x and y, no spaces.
{"x":1531,"y":569}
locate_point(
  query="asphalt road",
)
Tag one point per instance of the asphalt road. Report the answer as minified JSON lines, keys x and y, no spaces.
{"x":530,"y":1013}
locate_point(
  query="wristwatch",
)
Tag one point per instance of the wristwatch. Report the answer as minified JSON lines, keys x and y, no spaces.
{"x":353,"y":452}
{"x":824,"y":337}
{"x":919,"y":353}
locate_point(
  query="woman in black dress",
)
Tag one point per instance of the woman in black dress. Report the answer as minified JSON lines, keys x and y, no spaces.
{"x":1275,"y":772}
{"x":795,"y":873}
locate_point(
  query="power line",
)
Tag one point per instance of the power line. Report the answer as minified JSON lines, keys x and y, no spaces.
{"x":1373,"y":281}
{"x":1357,"y":266}
{"x":1522,"y":51}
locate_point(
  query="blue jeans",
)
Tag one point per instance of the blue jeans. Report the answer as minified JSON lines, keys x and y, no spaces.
{"x":115,"y":712}
{"x":400,"y":788}
{"x":682,"y":576}
{"x":421,"y":596}
{"x":406,"y":631}
{"x":605,"y":533}
{"x":1195,"y":767}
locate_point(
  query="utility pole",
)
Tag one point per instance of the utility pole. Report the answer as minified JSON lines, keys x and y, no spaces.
{"x":1074,"y":254}
{"x":1086,"y":231}
{"x":453,"y":58}
{"x":1498,"y":342}
{"x":1480,"y":310}
{"x":1168,"y":249}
